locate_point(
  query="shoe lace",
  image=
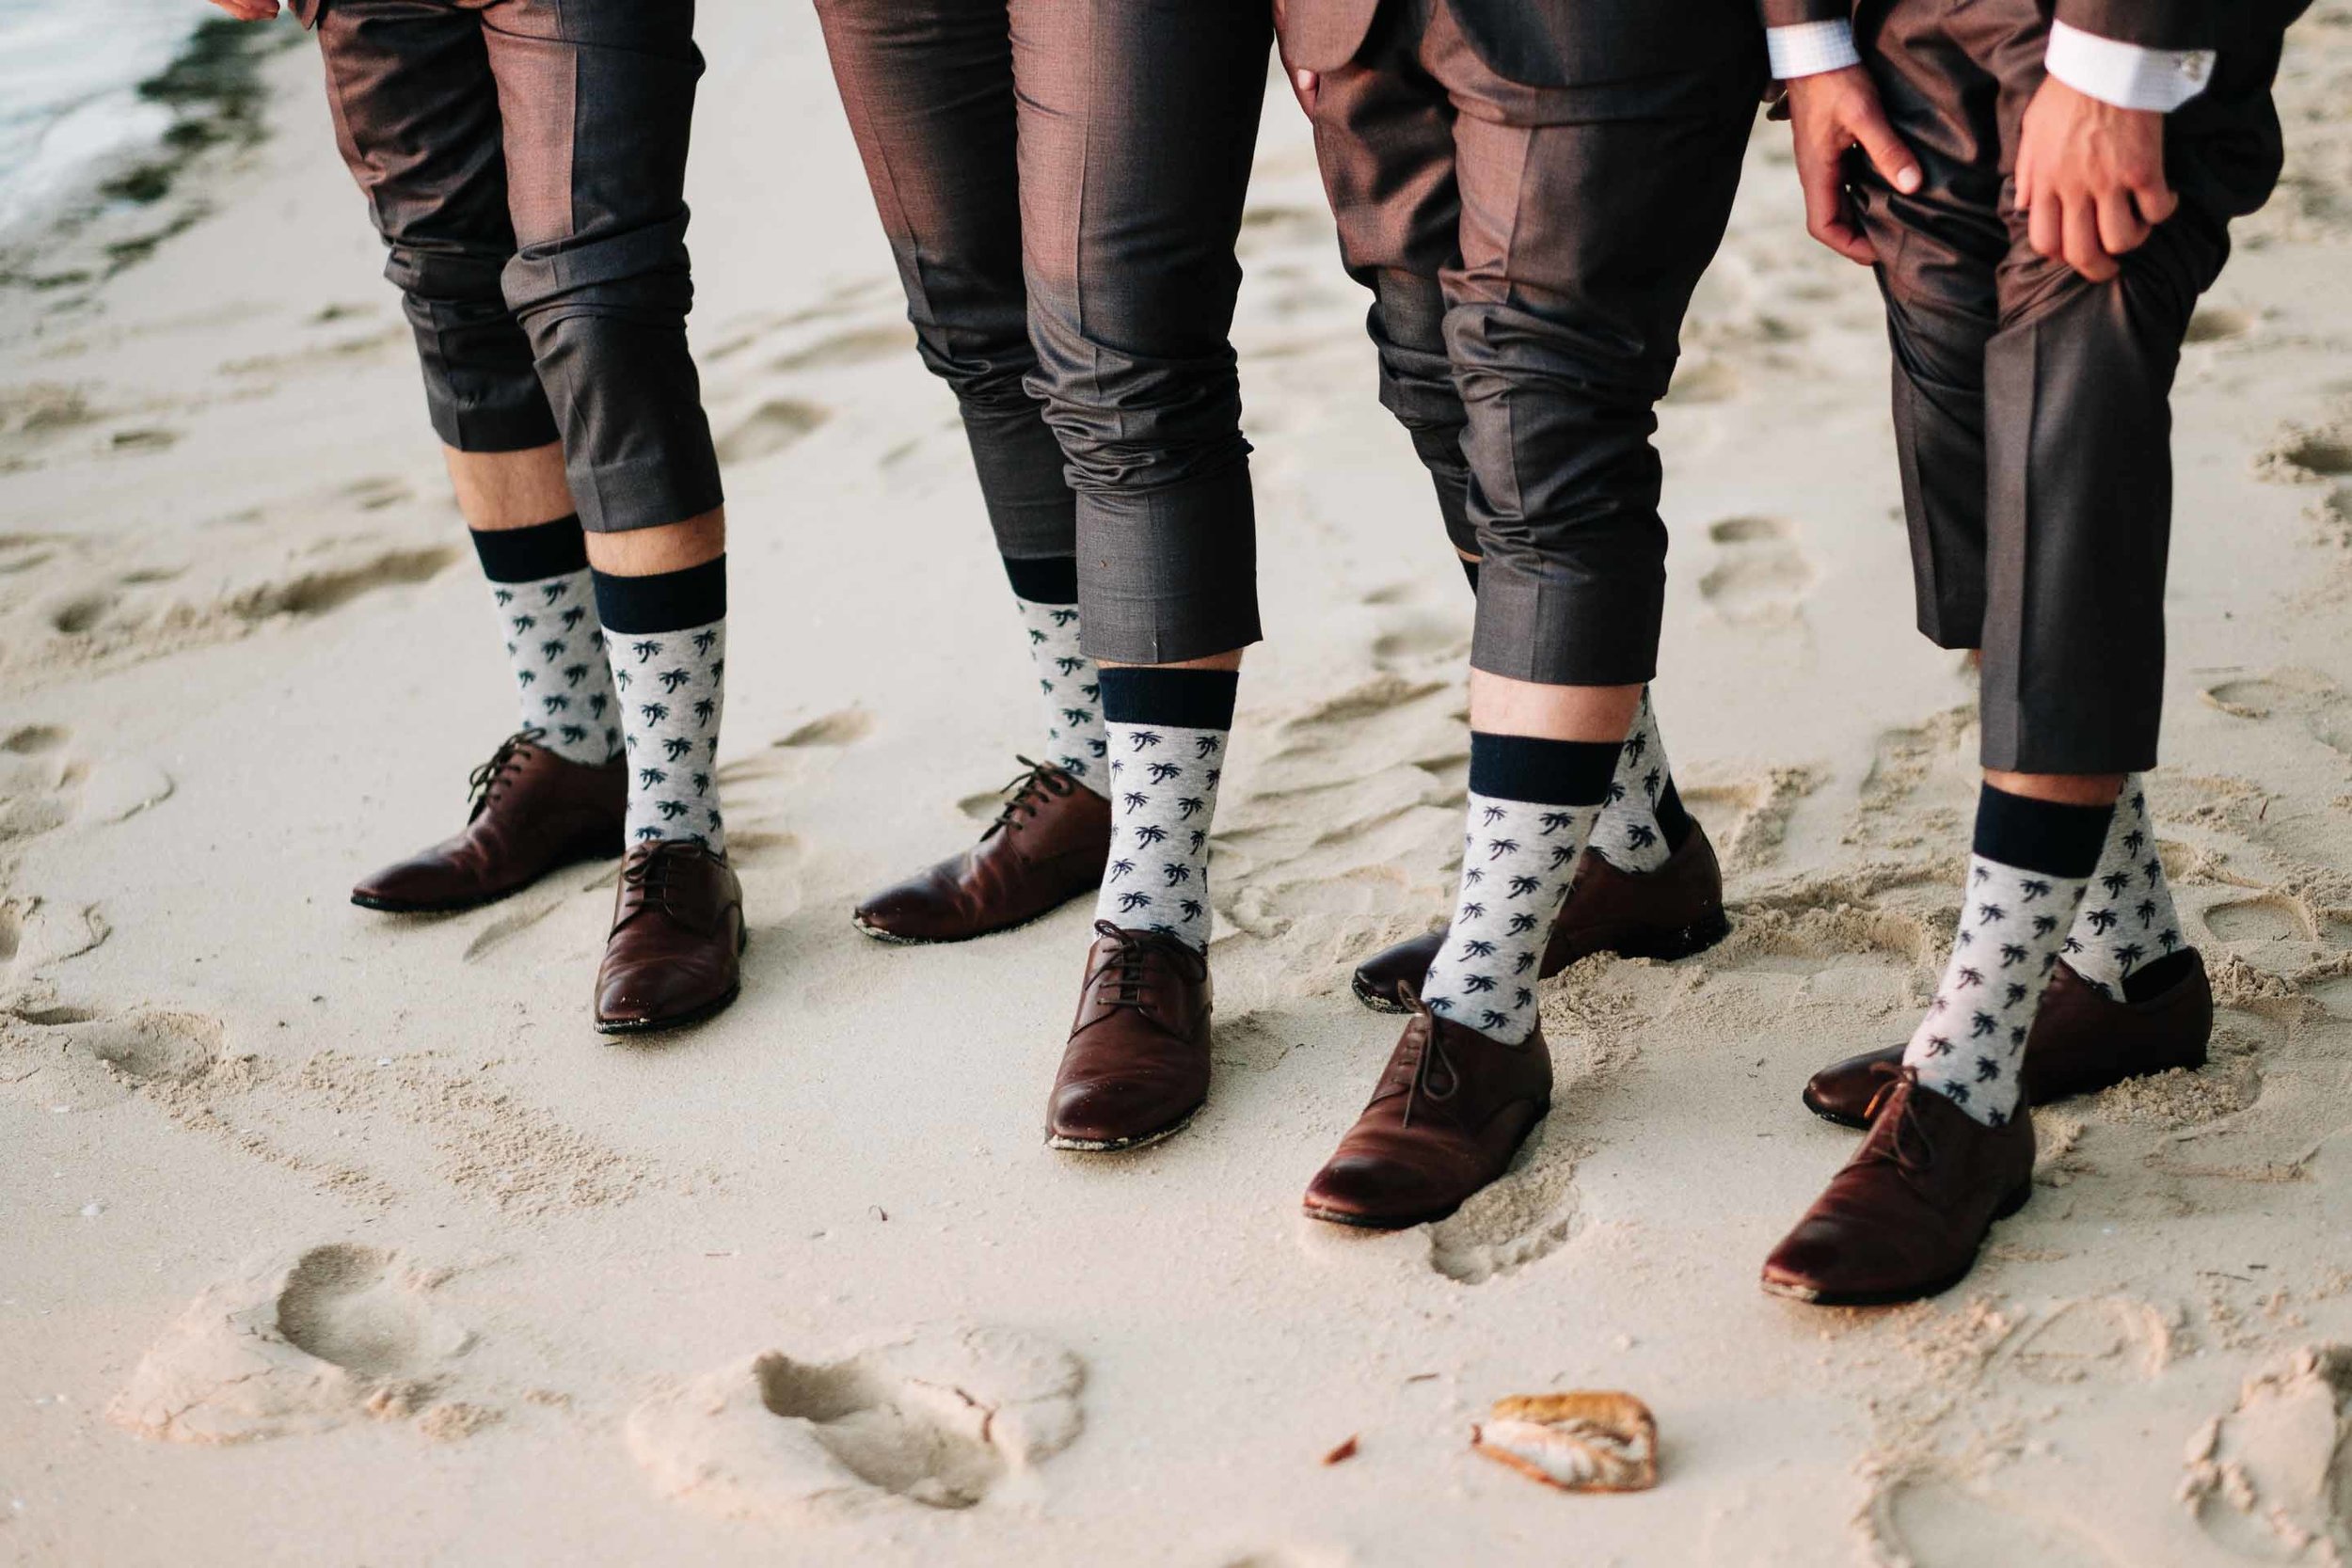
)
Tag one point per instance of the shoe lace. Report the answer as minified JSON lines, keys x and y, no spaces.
{"x":648,"y":879}
{"x":1421,"y":1059}
{"x":1119,"y":980}
{"x":1908,"y":1146}
{"x":1025,"y":795}
{"x":484,"y":783}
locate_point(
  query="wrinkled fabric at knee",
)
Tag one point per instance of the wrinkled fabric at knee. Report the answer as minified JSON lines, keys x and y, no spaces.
{"x":607,"y":322}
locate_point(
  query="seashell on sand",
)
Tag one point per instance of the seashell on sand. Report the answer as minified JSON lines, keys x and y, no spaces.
{"x":1582,"y":1441}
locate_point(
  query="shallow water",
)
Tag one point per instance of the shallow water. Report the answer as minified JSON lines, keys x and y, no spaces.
{"x":70,"y":110}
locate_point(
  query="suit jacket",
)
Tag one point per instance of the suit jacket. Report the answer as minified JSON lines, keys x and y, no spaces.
{"x":2150,"y":23}
{"x":1549,"y":44}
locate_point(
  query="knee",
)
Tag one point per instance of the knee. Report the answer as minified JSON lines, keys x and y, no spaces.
{"x":638,"y":276}
{"x":990,"y":384}
{"x":1132,"y":422}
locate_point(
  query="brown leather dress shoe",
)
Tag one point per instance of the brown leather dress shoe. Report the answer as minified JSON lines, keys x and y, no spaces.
{"x":533,"y":812}
{"x":675,"y":956}
{"x":1137,"y":1067}
{"x":2082,"y":1040}
{"x":1044,"y":849}
{"x":1451,"y":1108}
{"x":1907,"y":1216}
{"x":1671,"y":912}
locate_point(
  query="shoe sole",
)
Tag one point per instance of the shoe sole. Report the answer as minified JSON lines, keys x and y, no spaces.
{"x":1836,"y":1119}
{"x":1683,"y":942}
{"x":1121,"y":1146}
{"x":896,"y":939}
{"x":2010,"y":1205}
{"x":1365,"y":1222}
{"x":387,"y":906}
{"x":679,"y":1021}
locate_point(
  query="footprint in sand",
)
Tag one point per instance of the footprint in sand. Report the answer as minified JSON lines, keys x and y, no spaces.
{"x":939,"y":1419}
{"x":768,"y":429}
{"x":1748,"y":818}
{"x":67,"y":1058}
{"x":1925,"y":1519}
{"x":1340,"y":830}
{"x":2322,"y":707}
{"x":2308,"y":454}
{"x":133,"y":613}
{"x":46,"y":784}
{"x":1529,"y":1214}
{"x":297,"y":1345}
{"x":857,"y":346}
{"x":2219,"y":323}
{"x":35,"y":933}
{"x":2271,"y":931}
{"x":1760,"y":575}
{"x":2271,"y":1481}
{"x":2102,"y":1337}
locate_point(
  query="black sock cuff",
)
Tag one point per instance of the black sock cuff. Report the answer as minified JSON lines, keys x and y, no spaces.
{"x":1673,"y":818}
{"x":666,"y":601}
{"x":530,"y":554}
{"x":1186,"y":698}
{"x":1044,"y":579}
{"x":2047,"y":836}
{"x":1542,"y":772}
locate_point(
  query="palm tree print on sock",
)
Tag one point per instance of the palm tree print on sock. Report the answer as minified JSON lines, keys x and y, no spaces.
{"x":1627,"y":833}
{"x":674,"y":696}
{"x":1517,"y":861}
{"x":1968,"y":1047}
{"x":1162,"y":781}
{"x":556,"y":647}
{"x":2127,"y":919}
{"x":1071,"y":691}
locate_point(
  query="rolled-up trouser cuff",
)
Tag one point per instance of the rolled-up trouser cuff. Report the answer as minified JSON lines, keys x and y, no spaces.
{"x":637,"y":448}
{"x":1587,"y":633}
{"x":607,"y":322}
{"x":1168,"y":575}
{"x":508,"y":416}
{"x":2113,"y":742}
{"x":482,"y":389}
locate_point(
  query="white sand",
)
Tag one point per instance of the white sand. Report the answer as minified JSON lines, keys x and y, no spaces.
{"x":484,"y":1289}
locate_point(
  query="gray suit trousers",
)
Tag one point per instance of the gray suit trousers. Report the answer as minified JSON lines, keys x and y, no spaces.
{"x":1061,"y":182}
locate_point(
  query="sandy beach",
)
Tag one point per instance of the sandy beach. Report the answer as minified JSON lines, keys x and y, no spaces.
{"x":337,"y":1239}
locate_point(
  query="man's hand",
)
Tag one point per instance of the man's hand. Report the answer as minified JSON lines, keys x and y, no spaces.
{"x":1303,"y":83}
{"x":1829,"y":113}
{"x":2089,"y":179}
{"x":250,"y":11}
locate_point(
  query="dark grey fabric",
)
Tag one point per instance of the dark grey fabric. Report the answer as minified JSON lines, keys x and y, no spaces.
{"x":1530,"y":269}
{"x":2032,"y":407}
{"x":1061,"y":182}
{"x":1627,"y":56}
{"x":525,"y":162}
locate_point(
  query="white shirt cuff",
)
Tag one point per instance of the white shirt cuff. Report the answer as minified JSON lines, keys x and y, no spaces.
{"x":2125,"y":74}
{"x":1809,"y":48}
